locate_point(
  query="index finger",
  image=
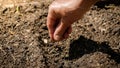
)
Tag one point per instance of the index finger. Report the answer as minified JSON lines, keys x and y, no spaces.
{"x":51,"y":19}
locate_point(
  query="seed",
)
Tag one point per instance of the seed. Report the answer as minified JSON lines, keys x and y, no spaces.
{"x":45,"y":41}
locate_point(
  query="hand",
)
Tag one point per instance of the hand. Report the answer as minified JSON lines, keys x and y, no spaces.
{"x":62,"y":13}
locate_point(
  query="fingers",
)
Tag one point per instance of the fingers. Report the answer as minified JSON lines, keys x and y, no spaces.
{"x":51,"y":20}
{"x":60,"y":31}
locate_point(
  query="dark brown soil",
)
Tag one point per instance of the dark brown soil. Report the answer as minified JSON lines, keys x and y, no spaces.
{"x":94,"y":42}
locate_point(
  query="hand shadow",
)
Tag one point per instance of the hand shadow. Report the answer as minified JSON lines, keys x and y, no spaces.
{"x":83,"y":46}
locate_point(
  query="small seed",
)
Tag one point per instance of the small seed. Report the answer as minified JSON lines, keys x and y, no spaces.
{"x":45,"y":41}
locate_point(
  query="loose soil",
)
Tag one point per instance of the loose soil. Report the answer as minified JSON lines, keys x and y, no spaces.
{"x":93,"y":43}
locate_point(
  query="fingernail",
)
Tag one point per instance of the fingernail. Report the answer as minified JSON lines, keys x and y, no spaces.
{"x":57,"y":37}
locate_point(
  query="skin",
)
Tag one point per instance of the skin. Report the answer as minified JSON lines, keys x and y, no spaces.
{"x":62,"y":14}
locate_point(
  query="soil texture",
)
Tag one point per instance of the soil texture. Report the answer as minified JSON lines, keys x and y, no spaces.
{"x":93,"y":43}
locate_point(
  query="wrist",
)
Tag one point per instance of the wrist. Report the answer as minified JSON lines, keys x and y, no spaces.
{"x":86,"y":4}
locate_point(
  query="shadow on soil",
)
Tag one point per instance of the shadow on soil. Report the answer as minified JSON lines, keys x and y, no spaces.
{"x":102,"y":4}
{"x":83,"y":46}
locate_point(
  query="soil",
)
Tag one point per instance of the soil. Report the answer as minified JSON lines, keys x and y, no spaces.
{"x":93,"y":43}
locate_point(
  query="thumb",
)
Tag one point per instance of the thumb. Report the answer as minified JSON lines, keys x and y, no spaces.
{"x":60,"y":31}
